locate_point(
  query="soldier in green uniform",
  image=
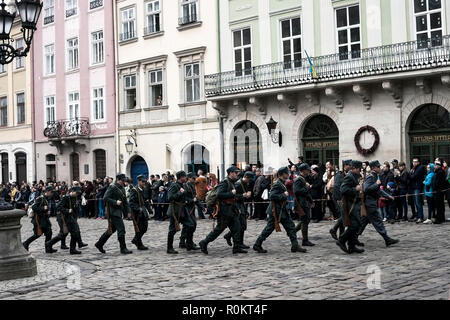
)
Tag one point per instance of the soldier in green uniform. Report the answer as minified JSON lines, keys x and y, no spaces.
{"x":277,"y":213}
{"x":242,"y":194}
{"x":178,"y":213}
{"x":116,"y":205}
{"x":228,"y":214}
{"x":139,"y":212}
{"x":351,"y":192}
{"x":191,"y":201}
{"x":69,"y":208}
{"x":337,"y":197}
{"x":41,"y":222}
{"x":304,"y":199}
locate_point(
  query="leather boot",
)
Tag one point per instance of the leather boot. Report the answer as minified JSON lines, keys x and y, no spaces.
{"x":73,"y":246}
{"x":170,"y":249}
{"x":140,"y":244}
{"x":27,"y":243}
{"x":306,"y":242}
{"x":333,"y":234}
{"x":227,"y":237}
{"x":123,"y":246}
{"x":49,"y":245}
{"x":81,"y":244}
{"x":297,"y":248}
{"x":390,"y":241}
{"x":63,"y":243}
{"x":341,"y":244}
{"x":358,"y":243}
{"x":354,"y":249}
{"x":243,"y":245}
{"x":298,"y":227}
{"x":238,"y":249}
{"x":258,"y":248}
{"x":101,"y":242}
{"x":182,"y":244}
{"x":203,"y":246}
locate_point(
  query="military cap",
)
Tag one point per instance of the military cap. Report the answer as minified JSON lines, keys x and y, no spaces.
{"x":248,"y":174}
{"x":121,"y":176}
{"x":304,"y":166}
{"x":181,"y":174}
{"x":394,"y":161}
{"x":233,"y":169}
{"x":356,"y":164}
{"x":75,"y":189}
{"x":283,"y":170}
{"x":191,"y":175}
{"x":374,"y":163}
{"x":347,"y":162}
{"x":49,"y":189}
{"x":141,"y":177}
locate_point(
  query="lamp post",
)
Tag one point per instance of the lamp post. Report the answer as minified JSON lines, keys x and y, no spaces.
{"x":129,"y":145}
{"x":272,"y":126}
{"x":29,"y":12}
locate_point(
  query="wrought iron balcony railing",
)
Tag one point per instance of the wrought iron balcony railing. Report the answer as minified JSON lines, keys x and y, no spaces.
{"x":407,"y":56}
{"x":62,"y":129}
{"x":95,"y":4}
{"x":127,"y":36}
{"x":187,"y":19}
{"x":71,"y":12}
{"x":49,"y":19}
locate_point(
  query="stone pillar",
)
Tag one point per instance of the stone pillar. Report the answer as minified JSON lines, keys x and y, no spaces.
{"x":15,"y":261}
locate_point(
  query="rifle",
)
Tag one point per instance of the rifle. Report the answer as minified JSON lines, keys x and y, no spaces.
{"x":275,"y":217}
{"x":177,"y":223}
{"x":299,"y":208}
{"x":108,"y":216}
{"x":363,"y":201}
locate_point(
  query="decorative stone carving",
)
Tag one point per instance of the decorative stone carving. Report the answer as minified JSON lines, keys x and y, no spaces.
{"x":240,"y":105}
{"x":364,"y":92}
{"x":313,"y":97}
{"x":445,"y":79}
{"x":257,"y":102}
{"x":221,"y":109}
{"x":336,"y":95}
{"x":288,"y":101}
{"x":424,"y":85}
{"x":395,"y":90}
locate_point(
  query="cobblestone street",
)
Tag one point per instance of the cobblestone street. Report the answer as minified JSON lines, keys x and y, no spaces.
{"x":417,"y":268}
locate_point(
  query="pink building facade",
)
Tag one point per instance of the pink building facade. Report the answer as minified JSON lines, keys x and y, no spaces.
{"x":74,"y":91}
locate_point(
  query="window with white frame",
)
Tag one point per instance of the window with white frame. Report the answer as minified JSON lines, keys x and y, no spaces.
{"x":3,"y":111}
{"x":50,"y":109}
{"x":428,"y":22}
{"x":49,"y":52}
{"x":242,"y":44}
{"x":129,"y":85}
{"x":153,"y":17}
{"x":348,"y":27}
{"x":20,"y":102}
{"x":20,"y":61}
{"x":73,"y":107}
{"x":291,"y":43}
{"x":98,"y":104}
{"x":155,"y":79}
{"x":128,"y":24}
{"x":189,"y":11}
{"x":49,"y":11}
{"x":98,"y":54}
{"x":71,"y":8}
{"x":72,"y":54}
{"x":192,"y":82}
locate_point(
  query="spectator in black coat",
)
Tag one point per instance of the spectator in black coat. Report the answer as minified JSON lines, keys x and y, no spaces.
{"x":402,"y":180}
{"x":440,"y":187}
{"x":316,"y":193}
{"x":417,"y":176}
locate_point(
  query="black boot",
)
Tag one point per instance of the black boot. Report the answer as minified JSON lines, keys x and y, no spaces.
{"x":390,"y":241}
{"x":258,"y":248}
{"x":170,"y":249}
{"x":27,"y":243}
{"x":297,"y":248}
{"x":306,"y":242}
{"x":101,"y":242}
{"x":238,"y":249}
{"x":203,"y":246}
{"x":333,"y":234}
{"x":354,"y":249}
{"x":182,"y":244}
{"x":341,"y":244}
{"x":63,"y":243}
{"x":298,"y":227}
{"x":123,"y":246}
{"x":49,"y":244}
{"x":243,"y":245}
{"x":73,"y":246}
{"x":141,"y":246}
{"x":228,"y":238}
{"x":358,"y":243}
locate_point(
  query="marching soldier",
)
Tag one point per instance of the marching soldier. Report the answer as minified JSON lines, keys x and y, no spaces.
{"x":116,"y":205}
{"x":227,"y":214}
{"x":372,"y":194}
{"x":351,"y":190}
{"x":41,"y":222}
{"x":139,"y":212}
{"x":337,"y":197}
{"x":304,"y":202}
{"x":191,"y":201}
{"x":178,"y":214}
{"x":278,"y":213}
{"x":242,"y":194}
{"x":69,"y":208}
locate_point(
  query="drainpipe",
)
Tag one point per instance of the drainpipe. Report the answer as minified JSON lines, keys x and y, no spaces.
{"x":219,"y":62}
{"x":116,"y":85}
{"x":33,"y":114}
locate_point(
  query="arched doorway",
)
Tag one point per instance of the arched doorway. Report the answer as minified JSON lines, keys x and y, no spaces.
{"x":138,"y":167}
{"x":100,"y":163}
{"x":320,"y":140}
{"x":429,"y":133}
{"x":75,"y":166}
{"x":246,"y":145}
{"x":50,"y":160}
{"x":196,"y":157}
{"x":5,"y":168}
{"x":21,"y":167}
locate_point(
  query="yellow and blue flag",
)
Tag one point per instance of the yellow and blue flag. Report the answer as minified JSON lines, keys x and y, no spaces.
{"x":311,"y":67}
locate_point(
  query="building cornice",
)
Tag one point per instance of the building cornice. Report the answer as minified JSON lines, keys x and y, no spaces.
{"x":135,"y":63}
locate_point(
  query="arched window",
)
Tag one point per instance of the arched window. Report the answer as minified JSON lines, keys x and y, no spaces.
{"x":321,"y":140}
{"x":196,"y":157}
{"x":246,"y":141}
{"x":429,"y":133}
{"x":100,"y":163}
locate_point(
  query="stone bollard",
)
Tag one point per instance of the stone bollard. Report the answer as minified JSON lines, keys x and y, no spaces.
{"x":15,"y":261}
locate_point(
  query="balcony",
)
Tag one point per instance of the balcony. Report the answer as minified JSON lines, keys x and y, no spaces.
{"x":49,"y":19}
{"x":93,"y":4}
{"x":401,"y":57}
{"x":187,"y":19}
{"x":67,"y":129}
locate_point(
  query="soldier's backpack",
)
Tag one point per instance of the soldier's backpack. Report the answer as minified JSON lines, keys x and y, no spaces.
{"x":211,"y":196}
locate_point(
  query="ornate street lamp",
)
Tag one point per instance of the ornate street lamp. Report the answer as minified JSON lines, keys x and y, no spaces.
{"x":272,"y":126}
{"x":29,"y":12}
{"x":129,"y":145}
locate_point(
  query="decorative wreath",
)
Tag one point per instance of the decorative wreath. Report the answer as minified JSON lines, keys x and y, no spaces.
{"x":374,"y":147}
